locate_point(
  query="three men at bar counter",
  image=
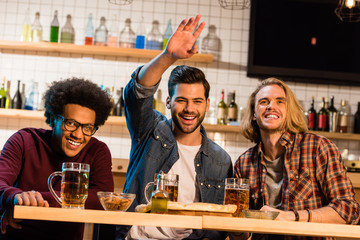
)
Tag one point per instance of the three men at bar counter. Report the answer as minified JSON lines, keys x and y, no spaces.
{"x":75,"y":108}
{"x":297,"y":173}
{"x":179,"y":145}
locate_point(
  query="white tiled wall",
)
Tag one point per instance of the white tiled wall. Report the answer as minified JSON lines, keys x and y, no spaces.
{"x":232,"y":26}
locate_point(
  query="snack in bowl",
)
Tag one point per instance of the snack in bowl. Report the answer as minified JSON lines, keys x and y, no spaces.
{"x":197,"y":209}
{"x":112,"y":201}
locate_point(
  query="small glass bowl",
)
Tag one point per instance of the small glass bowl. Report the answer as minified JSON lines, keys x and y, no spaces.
{"x":112,"y":201}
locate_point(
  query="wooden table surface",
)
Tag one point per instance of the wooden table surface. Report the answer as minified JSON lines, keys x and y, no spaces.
{"x":229,"y":224}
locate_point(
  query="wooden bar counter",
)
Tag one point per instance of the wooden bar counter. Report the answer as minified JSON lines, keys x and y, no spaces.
{"x":194,"y":222}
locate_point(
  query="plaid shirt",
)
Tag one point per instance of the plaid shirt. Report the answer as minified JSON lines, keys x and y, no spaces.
{"x":314,"y":176}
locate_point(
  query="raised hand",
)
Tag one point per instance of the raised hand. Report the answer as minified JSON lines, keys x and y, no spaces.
{"x":181,"y":43}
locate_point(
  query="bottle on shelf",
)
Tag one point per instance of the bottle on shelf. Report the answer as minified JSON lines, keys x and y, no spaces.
{"x":113,"y":32}
{"x":36,"y":29}
{"x":17,"y":99}
{"x":101,"y":33}
{"x":54,"y":28}
{"x":312,"y":116}
{"x":221,"y":110}
{"x":233,"y":109}
{"x":8,"y":103}
{"x":159,"y":197}
{"x":344,"y":114}
{"x":154,"y":39}
{"x":23,"y":97}
{"x":26,"y":28}
{"x":32,"y":99}
{"x":167,"y":34}
{"x":140,"y":35}
{"x":211,"y":43}
{"x":333,"y":116}
{"x":68,"y":31}
{"x":322,"y":120}
{"x":119,"y":107}
{"x":127,"y":36}
{"x":112,"y":100}
{"x":357,"y":120}
{"x":89,"y":31}
{"x":2,"y":94}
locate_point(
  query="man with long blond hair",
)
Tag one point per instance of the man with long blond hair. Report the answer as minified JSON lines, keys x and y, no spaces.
{"x":292,"y":171}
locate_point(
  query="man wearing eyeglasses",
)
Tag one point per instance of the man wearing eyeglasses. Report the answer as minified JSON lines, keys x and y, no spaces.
{"x":74,"y":109}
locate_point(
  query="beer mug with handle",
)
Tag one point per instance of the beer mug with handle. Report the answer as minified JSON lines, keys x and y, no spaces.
{"x":74,"y":185}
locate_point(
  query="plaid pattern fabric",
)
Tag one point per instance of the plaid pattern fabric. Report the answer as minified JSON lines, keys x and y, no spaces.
{"x":314,"y":176}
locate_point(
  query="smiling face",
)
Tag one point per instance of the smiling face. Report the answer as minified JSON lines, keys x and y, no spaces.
{"x":71,"y":143}
{"x":188,"y":107}
{"x":270,"y":109}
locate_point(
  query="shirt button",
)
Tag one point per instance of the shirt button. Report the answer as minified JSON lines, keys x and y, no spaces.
{"x":201,"y":184}
{"x":165,"y":145}
{"x":219,"y":186}
{"x":209,"y":185}
{"x":157,"y":137}
{"x":198,"y":165}
{"x":253,"y":196}
{"x":261,"y":190}
{"x":264,"y":170}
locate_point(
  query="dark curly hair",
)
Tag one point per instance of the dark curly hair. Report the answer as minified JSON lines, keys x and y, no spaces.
{"x":77,"y":91}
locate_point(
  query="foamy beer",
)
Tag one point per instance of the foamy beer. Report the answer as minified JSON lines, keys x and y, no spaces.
{"x":237,"y":193}
{"x":74,"y":185}
{"x":171,"y":186}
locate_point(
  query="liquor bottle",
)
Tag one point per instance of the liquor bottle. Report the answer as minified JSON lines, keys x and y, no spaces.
{"x":211,"y":43}
{"x":311,"y":115}
{"x":112,"y":100}
{"x":54,"y":28}
{"x":68,"y":31}
{"x":357,"y":120}
{"x":322,"y":120}
{"x":2,"y":94}
{"x":113,"y":33}
{"x":233,"y":109}
{"x":23,"y":97}
{"x":36,"y":29}
{"x":127,"y":36}
{"x":221,"y":110}
{"x":344,"y":114}
{"x":101,"y":34}
{"x":154,"y":39}
{"x":119,"y":107}
{"x":32,"y":99}
{"x":167,"y":34}
{"x":159,"y":104}
{"x":140,"y":35}
{"x":26,"y":28}
{"x":89,"y":31}
{"x":159,"y":197}
{"x":333,"y":116}
{"x":8,"y":102}
{"x":17,"y":99}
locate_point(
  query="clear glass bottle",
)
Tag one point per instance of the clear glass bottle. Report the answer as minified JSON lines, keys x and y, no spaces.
{"x":8,"y":103}
{"x":333,"y":116}
{"x":23,"y":97}
{"x":211,"y":43}
{"x":167,"y":34}
{"x":89,"y":31}
{"x":26,"y":28}
{"x":36,"y":29}
{"x":127,"y":36}
{"x":17,"y":99}
{"x":344,"y":114}
{"x":154,"y":39}
{"x":3,"y":94}
{"x":159,"y":197}
{"x":158,"y":104}
{"x":68,"y":31}
{"x":113,"y":32}
{"x":140,"y":35}
{"x":32,"y":99}
{"x":101,"y":33}
{"x":54,"y":28}
{"x":221,"y":110}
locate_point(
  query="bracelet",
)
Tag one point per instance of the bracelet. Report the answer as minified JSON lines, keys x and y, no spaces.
{"x":309,"y":215}
{"x":296,"y":215}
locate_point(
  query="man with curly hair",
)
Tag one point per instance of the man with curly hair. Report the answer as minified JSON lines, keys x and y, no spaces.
{"x":75,"y":108}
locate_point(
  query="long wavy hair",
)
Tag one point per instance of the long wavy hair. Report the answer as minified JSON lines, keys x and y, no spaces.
{"x":295,"y":119}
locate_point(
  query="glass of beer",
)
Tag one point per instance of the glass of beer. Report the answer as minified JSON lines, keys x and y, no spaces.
{"x":237,"y":193}
{"x":171,"y":186}
{"x":74,"y":185}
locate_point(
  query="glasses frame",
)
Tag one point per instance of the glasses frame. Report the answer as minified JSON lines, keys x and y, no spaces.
{"x":77,"y":125}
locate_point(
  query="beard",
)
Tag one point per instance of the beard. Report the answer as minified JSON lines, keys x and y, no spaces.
{"x":187,"y":128}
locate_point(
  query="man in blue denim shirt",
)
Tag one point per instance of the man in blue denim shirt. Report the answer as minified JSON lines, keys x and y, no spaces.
{"x":178,"y":145}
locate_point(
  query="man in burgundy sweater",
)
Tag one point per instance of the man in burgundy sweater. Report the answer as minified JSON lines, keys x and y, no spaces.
{"x":75,"y":108}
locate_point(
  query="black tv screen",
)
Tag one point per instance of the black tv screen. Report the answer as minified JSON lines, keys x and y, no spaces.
{"x":303,"y":40}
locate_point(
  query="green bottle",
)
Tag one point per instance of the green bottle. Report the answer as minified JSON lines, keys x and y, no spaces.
{"x":54,"y":28}
{"x":2,"y":94}
{"x":222,"y":110}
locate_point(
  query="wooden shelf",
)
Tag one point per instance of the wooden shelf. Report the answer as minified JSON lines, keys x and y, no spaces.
{"x":51,"y":48}
{"x":113,"y":120}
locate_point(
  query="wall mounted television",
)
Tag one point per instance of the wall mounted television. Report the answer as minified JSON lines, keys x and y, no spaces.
{"x":303,"y":40}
